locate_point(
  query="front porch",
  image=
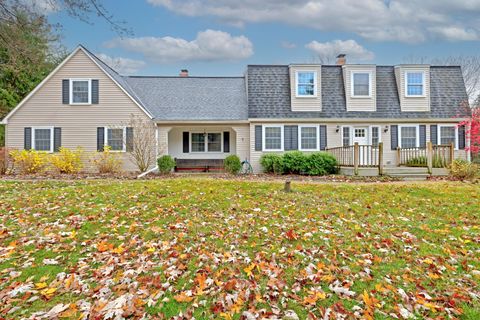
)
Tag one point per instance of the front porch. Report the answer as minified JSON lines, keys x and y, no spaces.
{"x":202,"y":148}
{"x":369,"y":160}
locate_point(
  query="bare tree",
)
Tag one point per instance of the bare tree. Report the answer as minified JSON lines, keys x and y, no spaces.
{"x":470,"y":69}
{"x":141,"y":142}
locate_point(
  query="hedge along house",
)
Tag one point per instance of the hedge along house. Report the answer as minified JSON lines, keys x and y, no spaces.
{"x":269,"y":109}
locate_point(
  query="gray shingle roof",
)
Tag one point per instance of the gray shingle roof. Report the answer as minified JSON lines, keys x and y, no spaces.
{"x":192,"y":98}
{"x":269,"y":94}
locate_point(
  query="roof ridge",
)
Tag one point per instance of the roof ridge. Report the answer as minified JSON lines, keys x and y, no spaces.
{"x":189,"y":77}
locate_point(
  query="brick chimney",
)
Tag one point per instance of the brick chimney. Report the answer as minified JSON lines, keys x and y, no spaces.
{"x":183,"y":73}
{"x":341,"y":59}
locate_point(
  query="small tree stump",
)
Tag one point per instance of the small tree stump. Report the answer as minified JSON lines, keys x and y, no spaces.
{"x":287,"y":187}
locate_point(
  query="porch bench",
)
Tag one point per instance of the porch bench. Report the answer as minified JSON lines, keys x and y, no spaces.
{"x":202,"y":165}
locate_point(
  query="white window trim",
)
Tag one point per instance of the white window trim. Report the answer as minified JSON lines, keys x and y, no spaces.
{"x":352,"y":82}
{"x":439,"y":133}
{"x":349,"y":138}
{"x":371,"y":134}
{"x":423,"y":95}
{"x":417,"y":126}
{"x":317,"y":127}
{"x":71,"y":91}
{"x":51,"y":138}
{"x":281,"y":136}
{"x":206,"y":142}
{"x":314,"y":84}
{"x":124,"y":144}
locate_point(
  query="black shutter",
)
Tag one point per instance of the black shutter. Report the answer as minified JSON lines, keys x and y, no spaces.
{"x":27,"y":138}
{"x":95,"y":91}
{"x":290,"y":139}
{"x":394,"y":136}
{"x":323,"y":137}
{"x":65,"y":91}
{"x":226,"y":141}
{"x":129,"y":139}
{"x":461,"y":137}
{"x":57,"y":139}
{"x":258,"y":138}
{"x":186,"y":142}
{"x":100,"y":138}
{"x":433,"y":134}
{"x":423,"y":136}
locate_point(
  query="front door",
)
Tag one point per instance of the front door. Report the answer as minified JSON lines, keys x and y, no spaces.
{"x":360,"y":136}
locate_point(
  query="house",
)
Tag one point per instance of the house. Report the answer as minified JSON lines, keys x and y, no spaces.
{"x":272,"y":108}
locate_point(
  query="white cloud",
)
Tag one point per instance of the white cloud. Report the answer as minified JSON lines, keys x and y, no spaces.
{"x":122,"y":65}
{"x":288,"y":45}
{"x":377,"y":20}
{"x":453,"y":33}
{"x":329,"y":50}
{"x":209,"y":45}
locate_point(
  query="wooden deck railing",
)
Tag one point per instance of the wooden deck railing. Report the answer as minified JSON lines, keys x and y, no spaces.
{"x":359,"y":156}
{"x":433,"y":156}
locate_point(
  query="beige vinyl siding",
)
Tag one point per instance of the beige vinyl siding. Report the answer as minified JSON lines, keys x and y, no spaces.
{"x":360,"y":103}
{"x":78,"y":122}
{"x":413,"y":103}
{"x":306,"y":103}
{"x":242,"y":134}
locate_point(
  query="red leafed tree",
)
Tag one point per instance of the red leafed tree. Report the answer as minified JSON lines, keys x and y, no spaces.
{"x":472,"y":132}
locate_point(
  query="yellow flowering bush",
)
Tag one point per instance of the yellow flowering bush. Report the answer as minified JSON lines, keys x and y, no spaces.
{"x":67,"y":161}
{"x":29,"y":161}
{"x":107,"y":161}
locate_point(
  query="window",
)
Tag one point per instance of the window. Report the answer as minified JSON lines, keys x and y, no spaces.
{"x":198,"y":142}
{"x":448,"y":135}
{"x":308,"y":137}
{"x":42,"y":139}
{"x":361,"y":84}
{"x":273,"y":138}
{"x":214,"y":142}
{"x":206,"y":142}
{"x":414,"y":83}
{"x":306,"y":83}
{"x":80,"y":92}
{"x":346,"y":136}
{"x":360,"y":133}
{"x":375,"y":134}
{"x":408,"y":137}
{"x":115,"y":138}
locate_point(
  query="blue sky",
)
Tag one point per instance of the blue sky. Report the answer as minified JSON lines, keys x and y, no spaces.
{"x":221,"y":37}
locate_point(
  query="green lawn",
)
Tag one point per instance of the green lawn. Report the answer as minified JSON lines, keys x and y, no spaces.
{"x":219,"y":249}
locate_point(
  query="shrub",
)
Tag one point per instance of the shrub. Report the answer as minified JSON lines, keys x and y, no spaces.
{"x":294,"y":162}
{"x":232,"y":164}
{"x":29,"y":161}
{"x":464,"y":170}
{"x":67,"y":161}
{"x":165,"y":164}
{"x":107,"y":161}
{"x":272,"y":163}
{"x":420,"y":161}
{"x":320,"y":163}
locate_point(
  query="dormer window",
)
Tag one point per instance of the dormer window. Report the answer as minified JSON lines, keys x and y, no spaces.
{"x":415,"y":83}
{"x":361,"y":84}
{"x":80,"y":91}
{"x":306,"y":83}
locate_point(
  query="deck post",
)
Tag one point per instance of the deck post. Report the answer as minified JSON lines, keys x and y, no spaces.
{"x":398,"y":157}
{"x":380,"y":158}
{"x":429,"y":157}
{"x":452,"y":152}
{"x":356,"y":158}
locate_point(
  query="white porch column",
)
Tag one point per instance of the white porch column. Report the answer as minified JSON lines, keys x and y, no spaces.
{"x":162,"y":140}
{"x":242,"y":134}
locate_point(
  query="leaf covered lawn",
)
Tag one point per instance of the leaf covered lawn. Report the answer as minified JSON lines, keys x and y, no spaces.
{"x":207,"y":248}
